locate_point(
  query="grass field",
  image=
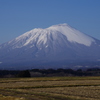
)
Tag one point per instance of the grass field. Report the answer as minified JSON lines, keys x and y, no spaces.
{"x":50,"y":88}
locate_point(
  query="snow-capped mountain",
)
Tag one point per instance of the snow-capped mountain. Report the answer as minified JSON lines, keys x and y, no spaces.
{"x":56,"y":44}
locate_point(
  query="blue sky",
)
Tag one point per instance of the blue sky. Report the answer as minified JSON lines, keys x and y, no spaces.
{"x":20,"y":16}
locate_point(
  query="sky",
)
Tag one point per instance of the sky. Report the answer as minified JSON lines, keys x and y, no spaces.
{"x":20,"y":16}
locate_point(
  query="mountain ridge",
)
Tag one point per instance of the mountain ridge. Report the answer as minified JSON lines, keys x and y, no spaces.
{"x":57,"y":43}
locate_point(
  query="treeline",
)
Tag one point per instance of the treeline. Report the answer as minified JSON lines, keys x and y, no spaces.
{"x":49,"y":73}
{"x":64,"y":72}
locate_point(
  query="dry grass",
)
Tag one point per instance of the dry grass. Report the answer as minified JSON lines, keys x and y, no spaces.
{"x":50,"y":88}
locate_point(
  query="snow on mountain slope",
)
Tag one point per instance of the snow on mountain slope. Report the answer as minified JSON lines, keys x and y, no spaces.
{"x":60,"y":43}
{"x":72,"y":34}
{"x":42,"y":36}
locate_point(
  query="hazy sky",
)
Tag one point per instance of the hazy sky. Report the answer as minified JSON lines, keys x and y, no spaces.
{"x":20,"y":16}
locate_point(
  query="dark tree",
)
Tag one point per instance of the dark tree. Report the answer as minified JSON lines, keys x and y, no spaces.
{"x":24,"y":73}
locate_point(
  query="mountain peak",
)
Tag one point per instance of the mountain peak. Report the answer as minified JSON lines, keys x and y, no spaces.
{"x":58,"y":25}
{"x":54,"y":34}
{"x":72,"y":34}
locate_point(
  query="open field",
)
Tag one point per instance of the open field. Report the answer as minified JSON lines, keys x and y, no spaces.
{"x":50,"y":88}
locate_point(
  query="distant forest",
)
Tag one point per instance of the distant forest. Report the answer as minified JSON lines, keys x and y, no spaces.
{"x":49,"y":73}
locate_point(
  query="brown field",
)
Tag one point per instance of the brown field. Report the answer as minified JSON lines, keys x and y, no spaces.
{"x":50,"y":88}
